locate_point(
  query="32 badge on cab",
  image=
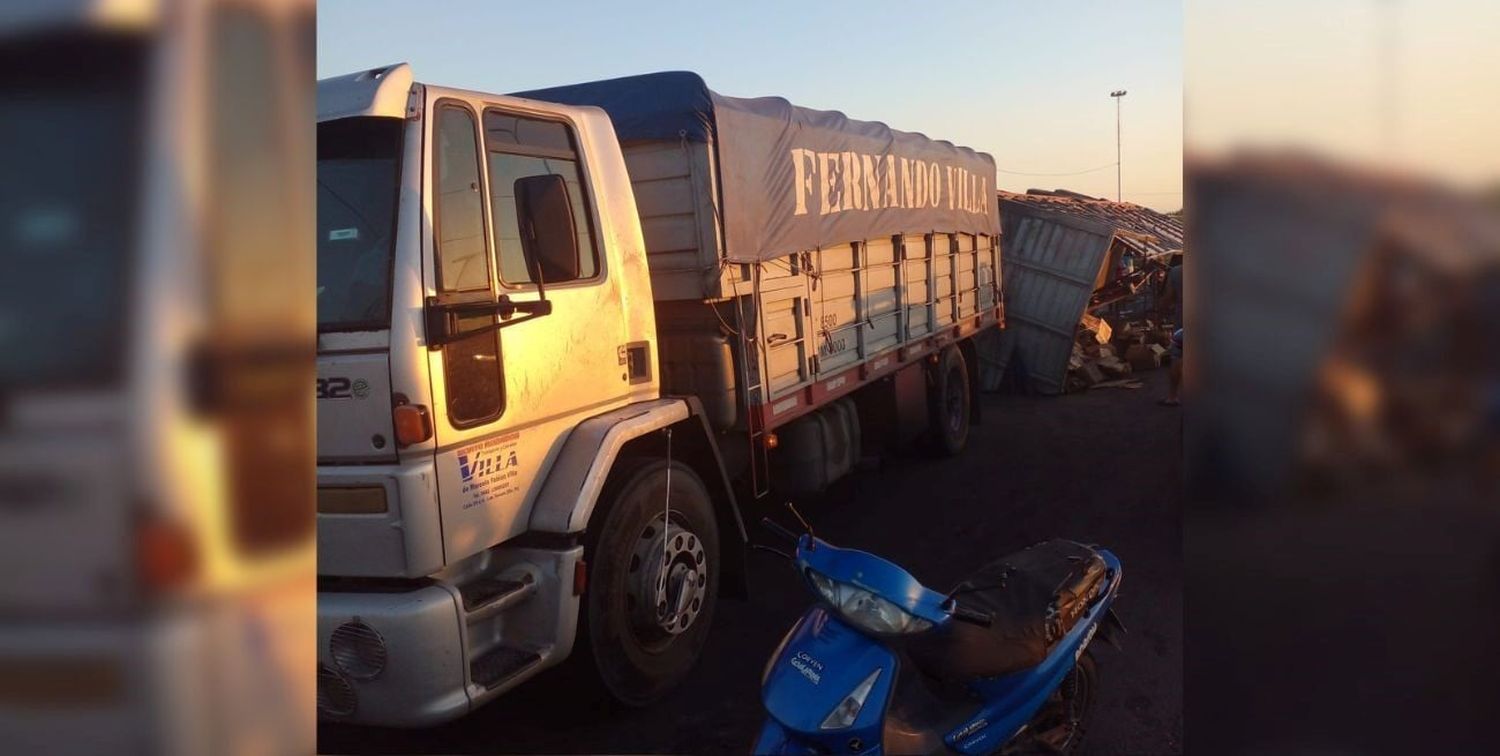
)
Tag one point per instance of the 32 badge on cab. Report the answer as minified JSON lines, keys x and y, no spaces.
{"x":339,"y":387}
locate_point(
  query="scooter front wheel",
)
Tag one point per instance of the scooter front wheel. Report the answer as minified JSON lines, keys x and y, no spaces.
{"x":1061,"y":723}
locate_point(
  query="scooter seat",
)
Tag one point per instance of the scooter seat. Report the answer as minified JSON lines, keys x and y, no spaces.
{"x":1035,"y":597}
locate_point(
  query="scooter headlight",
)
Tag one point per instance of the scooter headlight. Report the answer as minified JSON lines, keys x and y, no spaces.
{"x":866,"y":610}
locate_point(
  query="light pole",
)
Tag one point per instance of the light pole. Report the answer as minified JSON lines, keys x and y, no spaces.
{"x":1117,"y":94}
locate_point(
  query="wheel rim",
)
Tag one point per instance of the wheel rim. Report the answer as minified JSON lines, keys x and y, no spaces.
{"x":955,"y":400}
{"x":668,"y":581}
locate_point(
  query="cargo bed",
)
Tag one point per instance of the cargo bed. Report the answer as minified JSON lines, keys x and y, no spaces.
{"x":780,"y":302}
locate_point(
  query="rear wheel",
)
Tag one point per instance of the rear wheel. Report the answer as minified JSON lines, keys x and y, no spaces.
{"x":1061,"y":723}
{"x":653,"y":581}
{"x":948,"y":432}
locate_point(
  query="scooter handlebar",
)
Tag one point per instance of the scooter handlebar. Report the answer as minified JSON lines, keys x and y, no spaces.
{"x":971,"y":616}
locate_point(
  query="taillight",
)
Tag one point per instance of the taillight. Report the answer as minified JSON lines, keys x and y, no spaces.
{"x":413,"y":424}
{"x":165,"y":555}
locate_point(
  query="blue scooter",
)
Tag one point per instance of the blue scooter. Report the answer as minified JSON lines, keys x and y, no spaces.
{"x":882,"y":664}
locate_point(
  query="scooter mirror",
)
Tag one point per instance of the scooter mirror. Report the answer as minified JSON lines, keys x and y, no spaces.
{"x":805,"y":527}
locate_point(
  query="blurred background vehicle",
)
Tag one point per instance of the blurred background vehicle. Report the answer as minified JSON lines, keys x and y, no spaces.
{"x":156,"y":452}
{"x":1340,"y":434}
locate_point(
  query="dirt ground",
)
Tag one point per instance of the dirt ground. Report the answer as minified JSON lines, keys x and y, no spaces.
{"x":1102,"y":467}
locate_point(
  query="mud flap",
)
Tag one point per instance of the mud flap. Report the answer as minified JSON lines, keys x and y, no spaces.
{"x":1111,"y":629}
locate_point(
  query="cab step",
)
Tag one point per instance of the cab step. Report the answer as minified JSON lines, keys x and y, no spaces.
{"x":486,"y":598}
{"x":500,"y":664}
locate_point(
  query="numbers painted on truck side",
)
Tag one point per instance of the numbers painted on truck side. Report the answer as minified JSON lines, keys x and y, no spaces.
{"x":343,"y":388}
{"x":831,"y":345}
{"x":334,"y":388}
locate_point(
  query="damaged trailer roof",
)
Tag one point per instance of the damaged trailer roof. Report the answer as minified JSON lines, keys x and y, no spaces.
{"x":793,"y":179}
{"x":1139,"y":228}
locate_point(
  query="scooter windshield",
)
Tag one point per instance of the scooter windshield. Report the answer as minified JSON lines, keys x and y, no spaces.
{"x":872,"y":573}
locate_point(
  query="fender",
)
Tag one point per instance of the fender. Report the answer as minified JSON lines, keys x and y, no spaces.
{"x":571,"y":491}
{"x":1111,"y":629}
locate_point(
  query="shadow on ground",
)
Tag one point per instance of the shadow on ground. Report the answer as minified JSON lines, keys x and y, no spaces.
{"x":1102,"y":467}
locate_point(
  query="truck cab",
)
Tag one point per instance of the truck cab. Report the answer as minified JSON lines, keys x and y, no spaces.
{"x":495,"y":456}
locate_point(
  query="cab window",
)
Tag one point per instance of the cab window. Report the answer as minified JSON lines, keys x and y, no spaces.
{"x":519,"y":147}
{"x":462,"y":262}
{"x":471,"y":366}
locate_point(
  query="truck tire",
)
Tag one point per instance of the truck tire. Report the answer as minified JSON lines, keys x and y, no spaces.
{"x":948,"y":429}
{"x":644,"y":626}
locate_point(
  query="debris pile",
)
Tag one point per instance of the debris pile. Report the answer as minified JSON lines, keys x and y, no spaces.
{"x":1106,"y":357}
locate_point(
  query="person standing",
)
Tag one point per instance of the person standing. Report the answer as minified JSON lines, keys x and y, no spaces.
{"x":1173,"y":294}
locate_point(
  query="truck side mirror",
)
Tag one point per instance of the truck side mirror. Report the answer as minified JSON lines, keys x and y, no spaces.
{"x":549,"y":238}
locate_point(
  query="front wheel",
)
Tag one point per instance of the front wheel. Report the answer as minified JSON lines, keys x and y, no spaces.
{"x":653,"y":580}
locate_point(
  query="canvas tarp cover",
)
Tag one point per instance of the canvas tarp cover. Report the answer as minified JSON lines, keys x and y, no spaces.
{"x":795,"y":179}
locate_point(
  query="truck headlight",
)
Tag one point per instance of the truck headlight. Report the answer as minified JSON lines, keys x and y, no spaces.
{"x":848,"y":709}
{"x":866,"y":610}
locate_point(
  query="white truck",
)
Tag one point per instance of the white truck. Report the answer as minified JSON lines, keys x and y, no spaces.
{"x":560,"y":344}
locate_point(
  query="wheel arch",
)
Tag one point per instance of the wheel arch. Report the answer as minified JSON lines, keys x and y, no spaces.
{"x":575,"y":492}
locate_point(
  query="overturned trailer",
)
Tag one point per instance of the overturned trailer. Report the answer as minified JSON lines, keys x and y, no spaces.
{"x":1064,"y":253}
{"x":797,"y":256}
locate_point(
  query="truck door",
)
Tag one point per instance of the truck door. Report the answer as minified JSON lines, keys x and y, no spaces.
{"x":509,"y":396}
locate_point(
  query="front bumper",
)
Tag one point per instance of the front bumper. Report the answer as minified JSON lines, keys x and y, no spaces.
{"x":422,"y":682}
{"x":430,"y":643}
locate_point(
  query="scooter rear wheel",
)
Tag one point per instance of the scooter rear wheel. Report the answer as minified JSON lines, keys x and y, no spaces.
{"x":1062,"y":722}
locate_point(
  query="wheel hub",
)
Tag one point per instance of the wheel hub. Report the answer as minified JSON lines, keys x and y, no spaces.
{"x":669,"y":577}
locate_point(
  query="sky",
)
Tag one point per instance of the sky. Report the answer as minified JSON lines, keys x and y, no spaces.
{"x":1028,"y":82}
{"x":1407,"y":84}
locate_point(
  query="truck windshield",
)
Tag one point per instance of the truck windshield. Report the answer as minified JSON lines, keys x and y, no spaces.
{"x":68,"y":205}
{"x":358,"y":177}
